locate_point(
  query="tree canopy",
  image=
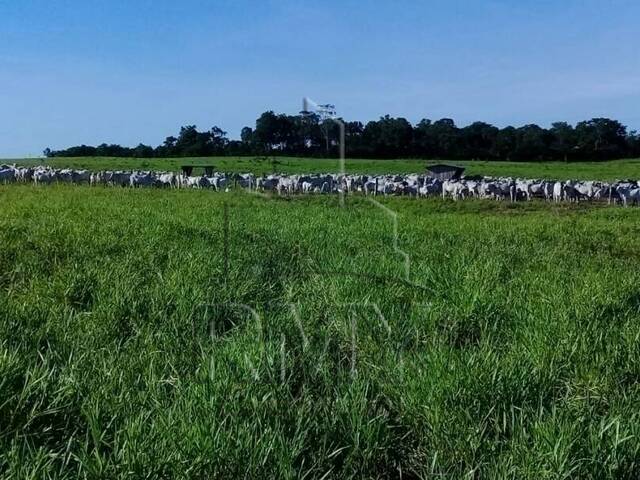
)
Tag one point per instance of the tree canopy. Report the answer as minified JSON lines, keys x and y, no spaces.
{"x":306,"y":134}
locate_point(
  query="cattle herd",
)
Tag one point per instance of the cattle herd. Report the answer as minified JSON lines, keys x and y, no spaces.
{"x":511,"y":189}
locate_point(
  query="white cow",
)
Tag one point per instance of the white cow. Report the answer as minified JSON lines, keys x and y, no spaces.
{"x":168,"y":179}
{"x":429,"y":189}
{"x":286,"y":185}
{"x":24,"y":175}
{"x":629,"y":195}
{"x":96,"y":178}
{"x":449,"y":188}
{"x":43,"y":177}
{"x":557,"y":192}
{"x":307,"y":187}
{"x":195,"y":182}
{"x":141,"y":179}
{"x":586,"y":189}
{"x":537,"y":189}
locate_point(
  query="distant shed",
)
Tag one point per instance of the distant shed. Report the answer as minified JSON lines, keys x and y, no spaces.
{"x":445,"y":172}
{"x":188,"y":169}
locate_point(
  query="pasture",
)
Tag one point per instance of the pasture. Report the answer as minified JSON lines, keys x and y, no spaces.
{"x":145,"y":336}
{"x":605,"y":171}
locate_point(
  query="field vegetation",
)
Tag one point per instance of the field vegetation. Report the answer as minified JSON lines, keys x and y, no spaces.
{"x":142,"y":335}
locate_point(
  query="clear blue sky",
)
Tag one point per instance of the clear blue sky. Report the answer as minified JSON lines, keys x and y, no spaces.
{"x":88,"y":71}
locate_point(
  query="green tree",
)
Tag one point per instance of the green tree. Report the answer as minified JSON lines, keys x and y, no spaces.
{"x":563,"y":140}
{"x":601,"y":138}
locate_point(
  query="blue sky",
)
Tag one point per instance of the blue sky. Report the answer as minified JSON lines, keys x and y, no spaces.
{"x":125,"y":72}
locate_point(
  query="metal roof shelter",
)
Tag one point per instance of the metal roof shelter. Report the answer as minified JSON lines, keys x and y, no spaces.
{"x":445,"y":172}
{"x":188,"y":169}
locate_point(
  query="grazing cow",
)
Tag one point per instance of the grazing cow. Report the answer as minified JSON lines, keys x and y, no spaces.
{"x":457,"y":190}
{"x":24,"y":175}
{"x":317,"y":181}
{"x":96,"y":178}
{"x":43,"y":177}
{"x":513,"y":192}
{"x":307,"y":187}
{"x":169,"y":180}
{"x":286,"y":186}
{"x":557,"y":192}
{"x":521,"y":187}
{"x":628,"y":194}
{"x":358,"y":182}
{"x":7,"y":174}
{"x":223,"y":182}
{"x":140,"y":179}
{"x":246,"y":180}
{"x":347,"y":184}
{"x":449,"y":188}
{"x":65,"y":175}
{"x":570,"y":193}
{"x":586,"y":190}
{"x":504,"y":189}
{"x":80,"y":176}
{"x":463,"y":191}
{"x":370,"y":187}
{"x":217,"y":182}
{"x":119,"y":178}
{"x":429,"y":189}
{"x":195,"y":182}
{"x":536,"y":189}
{"x":388,"y":188}
{"x":413,"y":184}
{"x":487,"y":189}
{"x":267,"y":183}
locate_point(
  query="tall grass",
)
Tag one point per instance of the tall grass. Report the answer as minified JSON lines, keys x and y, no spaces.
{"x":511,"y":351}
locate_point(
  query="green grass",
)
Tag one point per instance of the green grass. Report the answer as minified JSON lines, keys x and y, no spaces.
{"x":512,"y":352}
{"x":617,"y":169}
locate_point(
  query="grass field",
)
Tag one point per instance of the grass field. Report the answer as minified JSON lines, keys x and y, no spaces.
{"x":143,"y":336}
{"x":617,"y":169}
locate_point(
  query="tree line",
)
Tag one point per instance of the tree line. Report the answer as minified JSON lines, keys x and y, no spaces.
{"x":309,"y":135}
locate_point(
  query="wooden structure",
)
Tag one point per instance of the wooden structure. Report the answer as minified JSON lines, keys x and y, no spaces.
{"x":445,"y":172}
{"x":188,"y":169}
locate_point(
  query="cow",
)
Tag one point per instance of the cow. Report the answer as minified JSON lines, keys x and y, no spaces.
{"x":43,"y":177}
{"x":141,"y":179}
{"x":628,"y":195}
{"x":557,"y":192}
{"x":570,"y":193}
{"x":7,"y":174}
{"x":169,"y":180}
